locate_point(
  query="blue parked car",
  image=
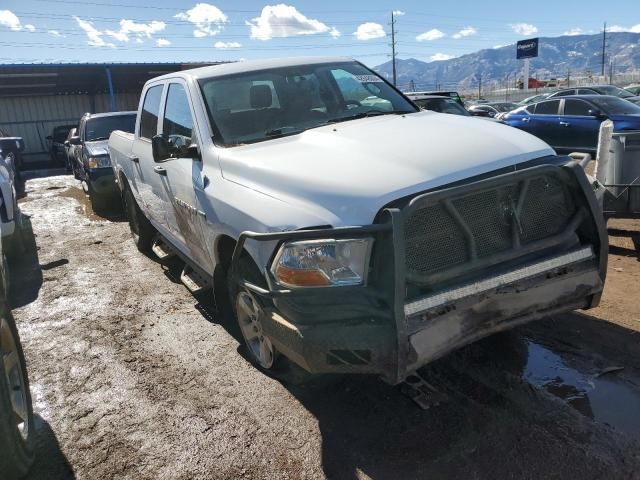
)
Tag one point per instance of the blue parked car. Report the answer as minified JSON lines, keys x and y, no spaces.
{"x":571,"y":124}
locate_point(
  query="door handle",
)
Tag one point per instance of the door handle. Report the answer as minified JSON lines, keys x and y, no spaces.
{"x":160,"y":171}
{"x":134,"y":159}
{"x":565,"y":124}
{"x":525,"y":119}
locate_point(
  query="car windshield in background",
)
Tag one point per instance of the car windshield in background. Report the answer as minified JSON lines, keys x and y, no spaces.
{"x":504,"y":107}
{"x":100,"y":128}
{"x":261,"y":105}
{"x":60,"y":133}
{"x":611,"y":90}
{"x":615,"y":105}
{"x":442,"y":105}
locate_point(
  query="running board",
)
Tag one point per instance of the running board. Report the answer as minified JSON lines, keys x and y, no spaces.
{"x":194,"y":282}
{"x":161,"y":249}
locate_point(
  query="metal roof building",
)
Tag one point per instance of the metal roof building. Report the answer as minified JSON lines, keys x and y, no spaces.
{"x":35,"y":98}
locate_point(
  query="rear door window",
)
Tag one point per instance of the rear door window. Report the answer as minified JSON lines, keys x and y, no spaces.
{"x":549,"y":107}
{"x":576,"y":107}
{"x":150,"y":112}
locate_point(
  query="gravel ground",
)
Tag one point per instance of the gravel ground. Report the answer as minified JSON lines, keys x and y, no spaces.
{"x":133,"y":377}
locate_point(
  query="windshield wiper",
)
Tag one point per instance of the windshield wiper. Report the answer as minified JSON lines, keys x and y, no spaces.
{"x":283,"y":131}
{"x":97,"y":139}
{"x":369,"y":113}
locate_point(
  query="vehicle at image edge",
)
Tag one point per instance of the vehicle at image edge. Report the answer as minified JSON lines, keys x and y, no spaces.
{"x":17,"y":427}
{"x":491,"y":110}
{"x":572,"y":124}
{"x":12,"y":148}
{"x":350,"y":239}
{"x":441,"y":104}
{"x":439,"y":93}
{"x":56,"y":143}
{"x":597,"y":90}
{"x":91,"y":158}
{"x":69,"y":149}
{"x":633,"y":89}
{"x":10,"y":218}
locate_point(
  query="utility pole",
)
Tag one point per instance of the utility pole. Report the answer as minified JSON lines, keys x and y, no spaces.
{"x":604,"y":40}
{"x":393,"y":46}
{"x":479,"y":86}
{"x":568,"y":77}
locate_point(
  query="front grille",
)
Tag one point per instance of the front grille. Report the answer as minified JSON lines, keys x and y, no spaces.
{"x":472,"y":227}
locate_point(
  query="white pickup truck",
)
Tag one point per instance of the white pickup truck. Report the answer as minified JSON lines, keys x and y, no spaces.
{"x":354,"y":234}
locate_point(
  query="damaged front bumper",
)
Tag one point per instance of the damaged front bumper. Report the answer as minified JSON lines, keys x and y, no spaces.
{"x":390,"y":327}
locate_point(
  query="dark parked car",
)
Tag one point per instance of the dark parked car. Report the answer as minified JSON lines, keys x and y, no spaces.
{"x":572,"y":124}
{"x":92,"y":164}
{"x":56,"y":147}
{"x":633,"y":89}
{"x":451,"y":94}
{"x":438,"y":104}
{"x":17,"y":427}
{"x":491,"y":109}
{"x":69,"y":149}
{"x":597,"y":90}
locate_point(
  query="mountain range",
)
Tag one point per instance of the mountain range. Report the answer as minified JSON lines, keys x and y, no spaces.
{"x":576,"y":55}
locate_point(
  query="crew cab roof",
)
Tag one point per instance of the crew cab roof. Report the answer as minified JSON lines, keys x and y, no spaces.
{"x":250,"y":66}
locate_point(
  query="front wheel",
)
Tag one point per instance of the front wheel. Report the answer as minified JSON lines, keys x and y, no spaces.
{"x":98,"y":202}
{"x":16,"y":413}
{"x":141,"y":229}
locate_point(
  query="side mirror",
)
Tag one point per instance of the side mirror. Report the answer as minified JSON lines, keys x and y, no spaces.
{"x":167,"y":147}
{"x":75,"y":140}
{"x":491,"y":114}
{"x":595,"y":112}
{"x":49,"y":137}
{"x":66,"y":143}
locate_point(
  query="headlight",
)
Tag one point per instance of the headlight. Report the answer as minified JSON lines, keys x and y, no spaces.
{"x":322,"y":263}
{"x":99,"y":162}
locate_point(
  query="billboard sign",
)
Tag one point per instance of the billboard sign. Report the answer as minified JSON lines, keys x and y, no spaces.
{"x":527,"y":48}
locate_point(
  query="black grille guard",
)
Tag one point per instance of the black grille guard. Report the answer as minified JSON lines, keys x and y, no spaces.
{"x":390,"y":231}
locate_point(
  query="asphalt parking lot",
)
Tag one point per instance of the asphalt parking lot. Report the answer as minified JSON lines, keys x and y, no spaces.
{"x":133,"y":377}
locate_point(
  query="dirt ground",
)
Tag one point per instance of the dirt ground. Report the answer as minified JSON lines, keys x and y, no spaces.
{"x":133,"y":377}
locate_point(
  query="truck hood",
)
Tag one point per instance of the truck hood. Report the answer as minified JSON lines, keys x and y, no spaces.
{"x":96,"y":149}
{"x":345,"y":173}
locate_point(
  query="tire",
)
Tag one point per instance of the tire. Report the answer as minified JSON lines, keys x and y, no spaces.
{"x":142,"y":231}
{"x":246,"y":305}
{"x":16,"y":432}
{"x":98,"y":202}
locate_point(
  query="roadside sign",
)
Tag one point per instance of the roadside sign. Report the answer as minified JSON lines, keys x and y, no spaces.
{"x":527,"y":48}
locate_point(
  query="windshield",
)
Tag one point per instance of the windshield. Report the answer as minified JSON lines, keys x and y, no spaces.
{"x":615,"y":105}
{"x":504,"y":107}
{"x":611,"y":90}
{"x":101,"y":127}
{"x":442,"y":105}
{"x":60,"y":133}
{"x":256,"y":106}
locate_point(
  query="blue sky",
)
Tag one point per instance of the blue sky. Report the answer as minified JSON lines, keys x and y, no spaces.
{"x":171,"y":30}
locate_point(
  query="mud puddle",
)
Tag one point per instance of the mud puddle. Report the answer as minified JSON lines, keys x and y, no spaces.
{"x":84,"y":206}
{"x":606,"y":396}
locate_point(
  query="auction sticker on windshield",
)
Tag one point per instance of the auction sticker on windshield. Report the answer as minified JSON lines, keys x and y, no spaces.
{"x":367,"y":78}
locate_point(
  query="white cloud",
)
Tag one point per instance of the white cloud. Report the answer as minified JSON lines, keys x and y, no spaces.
{"x":207,"y":18}
{"x":499,"y":46}
{"x":137,"y":30}
{"x":163,"y":42}
{"x":279,"y":21}
{"x":10,"y":20}
{"x":618,"y":28}
{"x":334,"y":32}
{"x":524,"y":28}
{"x":465,"y":32}
{"x":55,"y":33}
{"x":369,"y":31}
{"x":227,"y":45}
{"x":399,"y":13}
{"x":440,"y":56}
{"x":30,"y":27}
{"x":574,"y":31}
{"x":93,"y":34}
{"x":432,"y":34}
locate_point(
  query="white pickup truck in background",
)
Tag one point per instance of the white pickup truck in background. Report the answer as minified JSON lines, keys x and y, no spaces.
{"x":351,"y":231}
